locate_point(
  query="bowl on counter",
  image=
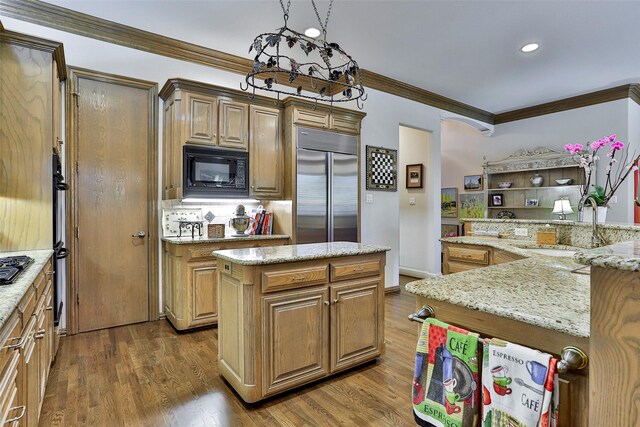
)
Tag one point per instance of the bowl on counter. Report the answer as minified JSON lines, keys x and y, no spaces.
{"x":505,"y":184}
{"x":564,"y":181}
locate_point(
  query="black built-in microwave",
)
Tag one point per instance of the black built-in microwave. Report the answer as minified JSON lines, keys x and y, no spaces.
{"x":215,"y":173}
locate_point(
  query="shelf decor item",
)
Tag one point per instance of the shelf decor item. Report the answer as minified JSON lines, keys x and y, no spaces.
{"x":531,"y":203}
{"x":449,"y":202}
{"x":619,"y":167}
{"x":536,"y":180}
{"x":496,"y":200}
{"x":382,"y":168}
{"x":473,"y":183}
{"x":561,"y":208}
{"x":414,"y":176}
{"x":290,"y":63}
{"x":565,"y":181}
{"x":505,"y":184}
{"x":506,"y":215}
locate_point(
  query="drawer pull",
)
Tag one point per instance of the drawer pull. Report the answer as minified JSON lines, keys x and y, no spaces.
{"x":358,"y":268}
{"x":50,"y":272}
{"x":299,"y":278}
{"x":19,"y":344}
{"x":22,"y":408}
{"x":49,"y":308}
{"x":226,"y":267}
{"x":326,"y":302}
{"x":40,"y":334}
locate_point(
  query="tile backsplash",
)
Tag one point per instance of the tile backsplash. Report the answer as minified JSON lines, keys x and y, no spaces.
{"x":218,"y":212}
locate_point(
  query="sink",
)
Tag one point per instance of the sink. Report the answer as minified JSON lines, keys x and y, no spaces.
{"x":563,"y":253}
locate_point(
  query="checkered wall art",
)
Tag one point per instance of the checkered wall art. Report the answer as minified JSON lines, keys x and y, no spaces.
{"x":382,"y":168}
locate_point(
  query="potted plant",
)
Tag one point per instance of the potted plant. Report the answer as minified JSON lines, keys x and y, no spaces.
{"x":618,"y":169}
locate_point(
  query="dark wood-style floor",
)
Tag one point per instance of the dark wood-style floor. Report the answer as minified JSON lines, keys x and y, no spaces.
{"x":149,"y":375}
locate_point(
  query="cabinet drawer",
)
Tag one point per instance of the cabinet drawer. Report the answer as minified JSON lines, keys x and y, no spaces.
{"x":287,"y":279}
{"x":9,"y":390}
{"x":354,"y":269}
{"x":476,"y":256}
{"x":27,"y":305}
{"x":345,"y":124}
{"x":9,"y":339}
{"x":311,"y":118}
{"x":457,"y":267}
{"x":203,"y":252}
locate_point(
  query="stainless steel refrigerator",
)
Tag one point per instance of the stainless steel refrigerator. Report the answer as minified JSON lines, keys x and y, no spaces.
{"x":326,"y":187}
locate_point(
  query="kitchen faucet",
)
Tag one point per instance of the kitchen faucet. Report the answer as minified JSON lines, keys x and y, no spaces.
{"x":596,"y":241}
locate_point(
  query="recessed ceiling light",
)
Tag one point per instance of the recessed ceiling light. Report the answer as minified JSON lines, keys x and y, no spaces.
{"x":312,"y":32}
{"x":531,"y":47}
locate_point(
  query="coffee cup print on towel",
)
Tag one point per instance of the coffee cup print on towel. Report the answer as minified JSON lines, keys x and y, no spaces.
{"x":537,"y":371}
{"x":500,"y":380}
{"x":451,"y":396}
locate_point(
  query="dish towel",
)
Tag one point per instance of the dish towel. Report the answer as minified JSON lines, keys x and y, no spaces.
{"x":446,"y":382}
{"x":519,"y":386}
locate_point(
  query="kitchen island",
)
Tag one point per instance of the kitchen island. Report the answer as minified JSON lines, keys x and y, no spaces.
{"x":539,"y":301}
{"x":290,"y":315}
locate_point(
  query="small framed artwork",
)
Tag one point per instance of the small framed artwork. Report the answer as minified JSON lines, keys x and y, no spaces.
{"x":449,"y":230}
{"x":382,"y":168}
{"x":496,"y":200}
{"x":532,"y":202}
{"x":414,"y":176}
{"x":473,"y":183}
{"x":449,"y":202}
{"x":472,"y":205}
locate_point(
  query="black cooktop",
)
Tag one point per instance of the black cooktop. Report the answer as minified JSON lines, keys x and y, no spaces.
{"x":11,"y":267}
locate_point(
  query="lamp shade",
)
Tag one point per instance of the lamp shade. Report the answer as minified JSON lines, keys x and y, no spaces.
{"x":562,"y":207}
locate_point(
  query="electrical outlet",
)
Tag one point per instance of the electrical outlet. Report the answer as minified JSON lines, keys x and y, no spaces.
{"x":369,"y":198}
{"x":613,"y":200}
{"x":412,"y":201}
{"x":522,"y":232}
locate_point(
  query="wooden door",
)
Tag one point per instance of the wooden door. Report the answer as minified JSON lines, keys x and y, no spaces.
{"x":112,"y":125}
{"x":265,"y":155}
{"x":295,"y":349}
{"x":234,"y":125}
{"x":203,"y":277}
{"x":356,"y":326}
{"x":202,"y":117}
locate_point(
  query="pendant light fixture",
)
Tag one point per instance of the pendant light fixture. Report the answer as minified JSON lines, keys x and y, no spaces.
{"x":290,"y":63}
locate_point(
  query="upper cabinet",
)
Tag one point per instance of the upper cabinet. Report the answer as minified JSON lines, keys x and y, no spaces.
{"x":265,"y":153}
{"x":234,"y":125}
{"x":307,"y":114}
{"x":201,"y":117}
{"x":30,"y":73}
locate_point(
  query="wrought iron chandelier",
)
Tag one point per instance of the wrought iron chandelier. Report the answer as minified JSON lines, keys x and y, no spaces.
{"x":326,"y":73}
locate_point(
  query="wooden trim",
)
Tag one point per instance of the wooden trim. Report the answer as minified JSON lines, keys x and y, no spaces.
{"x":59,"y":18}
{"x":56,"y":48}
{"x":392,"y":290}
{"x":612,"y":94}
{"x":152,"y":193}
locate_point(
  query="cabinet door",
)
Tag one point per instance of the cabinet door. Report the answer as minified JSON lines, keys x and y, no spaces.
{"x":48,"y":321}
{"x":43,"y":362}
{"x":357,"y":329}
{"x":344,"y":123}
{"x":265,"y":161}
{"x":202,"y":120}
{"x":317,"y":119}
{"x":295,"y":344}
{"x":30,"y":374}
{"x":167,"y":149}
{"x":234,"y":125}
{"x":204,"y":293}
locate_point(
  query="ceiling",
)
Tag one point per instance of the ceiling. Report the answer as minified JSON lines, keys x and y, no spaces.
{"x":465,"y":50}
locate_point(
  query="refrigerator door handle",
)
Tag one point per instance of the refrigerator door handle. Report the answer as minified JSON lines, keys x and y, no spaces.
{"x":330,"y":234}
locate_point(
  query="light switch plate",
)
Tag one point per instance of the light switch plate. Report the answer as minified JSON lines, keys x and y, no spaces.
{"x":522,"y":232}
{"x":369,"y":198}
{"x":412,"y":201}
{"x":613,"y":200}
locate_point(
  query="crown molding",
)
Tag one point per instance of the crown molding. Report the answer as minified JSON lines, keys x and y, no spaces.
{"x":59,"y":18}
{"x":607,"y":95}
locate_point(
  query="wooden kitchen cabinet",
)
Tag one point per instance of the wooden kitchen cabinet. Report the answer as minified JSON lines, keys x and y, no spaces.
{"x":459,"y":257}
{"x":265,"y":153}
{"x":234,"y":125}
{"x":190,"y":280}
{"x":201,"y":118}
{"x":287,"y":324}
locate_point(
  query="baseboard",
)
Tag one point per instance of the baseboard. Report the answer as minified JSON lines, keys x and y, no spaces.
{"x":414,"y":272}
{"x":392,"y":290}
{"x":162,"y":316}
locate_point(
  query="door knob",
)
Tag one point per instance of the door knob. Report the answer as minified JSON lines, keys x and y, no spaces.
{"x":140,"y":234}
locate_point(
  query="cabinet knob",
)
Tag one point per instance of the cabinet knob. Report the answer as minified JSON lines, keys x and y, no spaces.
{"x":327,"y":303}
{"x":335,"y":301}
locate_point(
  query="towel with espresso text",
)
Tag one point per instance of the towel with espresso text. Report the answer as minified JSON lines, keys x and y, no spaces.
{"x":446,"y":379}
{"x":518,"y":386}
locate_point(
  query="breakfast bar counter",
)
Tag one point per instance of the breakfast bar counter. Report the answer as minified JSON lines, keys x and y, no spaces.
{"x":290,"y":315}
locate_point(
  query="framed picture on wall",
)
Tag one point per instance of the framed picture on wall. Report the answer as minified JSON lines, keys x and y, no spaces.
{"x":472,"y":206}
{"x":449,"y":202}
{"x":414,"y":176}
{"x":449,"y":230}
{"x":382,"y":168}
{"x":473,"y":183}
{"x":496,"y":200}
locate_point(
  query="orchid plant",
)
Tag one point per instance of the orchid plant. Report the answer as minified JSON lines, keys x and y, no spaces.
{"x":617,"y":170}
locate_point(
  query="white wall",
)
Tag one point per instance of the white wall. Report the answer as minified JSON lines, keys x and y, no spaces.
{"x":634,"y":143}
{"x":463,"y":147}
{"x":414,"y":148}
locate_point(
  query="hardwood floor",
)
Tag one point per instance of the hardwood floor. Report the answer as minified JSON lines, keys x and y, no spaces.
{"x":149,"y":375}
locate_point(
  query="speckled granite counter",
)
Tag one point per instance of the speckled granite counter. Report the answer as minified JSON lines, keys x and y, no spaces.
{"x":188,"y":240}
{"x":10,"y":295}
{"x":620,"y":256}
{"x":539,"y":290}
{"x":280,"y":254}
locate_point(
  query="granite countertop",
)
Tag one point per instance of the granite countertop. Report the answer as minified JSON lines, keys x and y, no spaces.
{"x":620,"y":256}
{"x":291,"y":253}
{"x":609,"y":225}
{"x":187,"y":240}
{"x":539,"y":290}
{"x":10,"y":295}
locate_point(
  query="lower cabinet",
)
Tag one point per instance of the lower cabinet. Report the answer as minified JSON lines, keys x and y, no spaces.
{"x":460,"y":257}
{"x":190,"y":280}
{"x":284,"y":325}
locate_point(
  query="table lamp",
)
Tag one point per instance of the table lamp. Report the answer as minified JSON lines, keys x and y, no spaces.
{"x":562,"y":207}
